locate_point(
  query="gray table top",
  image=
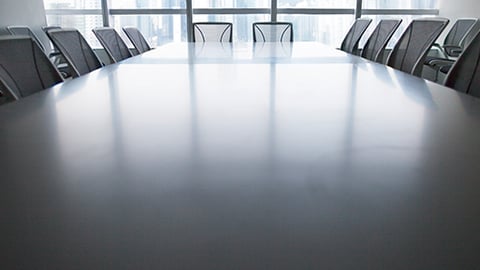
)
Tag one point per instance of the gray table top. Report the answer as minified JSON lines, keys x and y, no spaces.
{"x":213,"y":156}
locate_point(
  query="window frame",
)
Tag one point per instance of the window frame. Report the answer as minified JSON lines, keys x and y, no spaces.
{"x":273,"y":11}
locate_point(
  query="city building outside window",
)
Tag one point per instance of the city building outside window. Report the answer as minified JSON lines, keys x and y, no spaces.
{"x":164,"y":21}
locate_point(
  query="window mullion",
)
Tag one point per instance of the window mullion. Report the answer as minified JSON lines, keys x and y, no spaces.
{"x":105,"y":13}
{"x":273,"y":11}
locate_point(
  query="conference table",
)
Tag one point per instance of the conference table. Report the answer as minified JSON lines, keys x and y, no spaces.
{"x":241,"y":156}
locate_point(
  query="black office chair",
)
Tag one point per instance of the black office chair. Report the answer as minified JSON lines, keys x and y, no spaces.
{"x":212,"y":32}
{"x":24,"y":67}
{"x":375,"y":46}
{"x":411,"y":49}
{"x":354,"y":34}
{"x":272,"y":32}
{"x":22,"y":30}
{"x":6,"y":94}
{"x":455,"y":40}
{"x":57,"y":57}
{"x":137,"y":39}
{"x":113,"y":44}
{"x":464,"y":76}
{"x":79,"y":55}
{"x":444,"y":56}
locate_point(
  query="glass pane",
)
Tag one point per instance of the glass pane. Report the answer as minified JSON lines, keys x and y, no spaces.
{"x":242,"y":24}
{"x":119,"y":4}
{"x":328,"y":29}
{"x":157,"y":29}
{"x":71,"y":4}
{"x":231,"y":3}
{"x":400,"y":4}
{"x":316,"y":4}
{"x":84,"y":24}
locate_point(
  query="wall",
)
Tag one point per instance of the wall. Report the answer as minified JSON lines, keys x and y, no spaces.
{"x":23,"y":12}
{"x":454,"y":9}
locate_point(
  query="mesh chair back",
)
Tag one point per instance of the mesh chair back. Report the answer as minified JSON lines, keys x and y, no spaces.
{"x":272,"y":32}
{"x":116,"y":49}
{"x":459,"y":31}
{"x":137,"y":39}
{"x":464,"y":76}
{"x":411,"y":49}
{"x":24,"y":67}
{"x":352,"y":38}
{"x":212,"y":32}
{"x":20,"y":30}
{"x":75,"y":49}
{"x":6,"y":94}
{"x":375,"y":46}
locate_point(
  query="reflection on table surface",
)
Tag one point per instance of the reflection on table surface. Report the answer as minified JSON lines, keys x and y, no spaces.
{"x":271,"y":157}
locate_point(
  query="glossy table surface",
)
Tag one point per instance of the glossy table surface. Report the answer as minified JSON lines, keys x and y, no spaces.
{"x":213,"y":156}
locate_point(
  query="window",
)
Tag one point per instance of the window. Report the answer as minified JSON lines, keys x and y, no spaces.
{"x":231,"y":3}
{"x":399,"y":4}
{"x":146,"y":4}
{"x":83,"y":15}
{"x":163,"y":21}
{"x":316,"y":4}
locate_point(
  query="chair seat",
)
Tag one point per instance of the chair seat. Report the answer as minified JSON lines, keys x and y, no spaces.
{"x":445,"y":69}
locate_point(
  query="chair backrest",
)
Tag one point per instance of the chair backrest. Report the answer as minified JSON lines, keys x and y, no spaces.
{"x":459,"y":31}
{"x":409,"y":53}
{"x":24,"y":67}
{"x":113,"y":44}
{"x":137,"y":39}
{"x":21,"y":30}
{"x":212,"y":32}
{"x":272,"y":32}
{"x":48,"y":28}
{"x":464,"y":76}
{"x":375,"y":46}
{"x":75,"y":49}
{"x":6,"y":94}
{"x":354,"y":34}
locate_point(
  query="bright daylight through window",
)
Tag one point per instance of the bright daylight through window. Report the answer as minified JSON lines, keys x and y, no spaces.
{"x":163,"y":21}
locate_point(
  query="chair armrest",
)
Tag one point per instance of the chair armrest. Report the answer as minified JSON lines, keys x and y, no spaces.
{"x":452,"y":50}
{"x":439,"y":63}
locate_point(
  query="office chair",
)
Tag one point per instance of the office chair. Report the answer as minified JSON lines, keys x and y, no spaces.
{"x":113,"y":44}
{"x":24,"y":68}
{"x":57,"y":57}
{"x":459,"y":36}
{"x":137,"y":39}
{"x":78,"y":54}
{"x":411,"y":49}
{"x":375,"y":46}
{"x":455,"y":40}
{"x":6,"y":94}
{"x":464,"y":75}
{"x":354,"y":34}
{"x":21,"y":30}
{"x":212,"y":32}
{"x":272,"y":32}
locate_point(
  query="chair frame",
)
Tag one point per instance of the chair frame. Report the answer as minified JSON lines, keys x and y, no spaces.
{"x":11,"y":31}
{"x":134,"y":41}
{"x":37,"y":53}
{"x":106,"y":46}
{"x":289,"y":27}
{"x":351,"y":33}
{"x":228,"y":29}
{"x":418,"y":65}
{"x":380,"y":52}
{"x":450,"y":80}
{"x":66,"y":55}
